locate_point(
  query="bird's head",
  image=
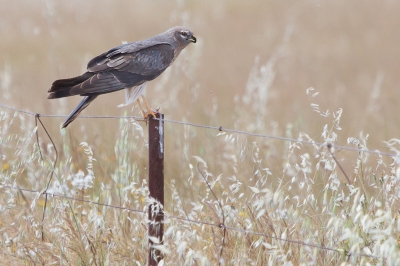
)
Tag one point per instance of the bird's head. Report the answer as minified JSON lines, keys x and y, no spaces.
{"x":184,"y":35}
{"x":187,"y":35}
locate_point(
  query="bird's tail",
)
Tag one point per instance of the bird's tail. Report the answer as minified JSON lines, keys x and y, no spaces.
{"x":61,"y":88}
{"x":82,"y":105}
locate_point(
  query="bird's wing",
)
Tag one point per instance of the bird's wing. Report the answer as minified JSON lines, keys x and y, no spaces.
{"x":126,"y":66}
{"x":100,"y":83}
{"x":140,"y":58}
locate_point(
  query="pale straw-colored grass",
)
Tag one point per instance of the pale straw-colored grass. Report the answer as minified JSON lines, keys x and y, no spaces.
{"x":311,"y":71}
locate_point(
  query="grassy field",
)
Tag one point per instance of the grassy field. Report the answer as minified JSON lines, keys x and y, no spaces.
{"x":318,"y":71}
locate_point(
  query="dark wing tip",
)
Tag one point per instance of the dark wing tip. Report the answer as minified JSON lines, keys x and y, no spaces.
{"x":78,"y":109}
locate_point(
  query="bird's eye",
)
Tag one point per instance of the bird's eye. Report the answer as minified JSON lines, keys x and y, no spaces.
{"x":184,"y":33}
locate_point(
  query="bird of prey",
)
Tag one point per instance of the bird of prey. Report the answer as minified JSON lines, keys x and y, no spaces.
{"x":129,"y":66}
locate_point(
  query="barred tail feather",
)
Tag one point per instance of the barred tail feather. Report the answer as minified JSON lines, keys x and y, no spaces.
{"x":61,"y":88}
{"x":59,"y":94}
{"x":81,"y":106}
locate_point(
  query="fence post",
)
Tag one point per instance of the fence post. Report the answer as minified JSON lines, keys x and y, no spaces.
{"x":156,"y":186}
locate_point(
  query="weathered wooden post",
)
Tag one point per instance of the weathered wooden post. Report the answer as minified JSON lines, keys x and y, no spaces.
{"x":156,"y":186}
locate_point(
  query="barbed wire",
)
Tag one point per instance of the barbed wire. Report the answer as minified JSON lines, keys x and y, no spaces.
{"x":222,"y":129}
{"x":221,"y":225}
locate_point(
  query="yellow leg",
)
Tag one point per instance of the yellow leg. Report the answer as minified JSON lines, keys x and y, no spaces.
{"x":149,"y":111}
{"x":141,"y":108}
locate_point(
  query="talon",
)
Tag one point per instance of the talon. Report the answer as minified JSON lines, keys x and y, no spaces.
{"x":150,"y":112}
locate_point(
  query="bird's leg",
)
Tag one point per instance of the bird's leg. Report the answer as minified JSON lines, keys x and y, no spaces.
{"x":141,"y":108}
{"x":149,"y":111}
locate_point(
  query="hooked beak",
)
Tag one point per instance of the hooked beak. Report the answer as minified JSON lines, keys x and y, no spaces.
{"x":193,"y":39}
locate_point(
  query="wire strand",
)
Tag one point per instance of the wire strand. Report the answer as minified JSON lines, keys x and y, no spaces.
{"x":168,"y":216}
{"x":222,"y":129}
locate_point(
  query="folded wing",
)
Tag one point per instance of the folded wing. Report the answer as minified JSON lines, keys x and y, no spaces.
{"x":122,"y":67}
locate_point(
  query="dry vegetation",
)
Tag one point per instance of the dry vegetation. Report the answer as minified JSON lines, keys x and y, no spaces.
{"x":310,"y":70}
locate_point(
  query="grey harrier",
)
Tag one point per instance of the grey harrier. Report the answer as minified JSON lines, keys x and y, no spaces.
{"x":129,"y":66}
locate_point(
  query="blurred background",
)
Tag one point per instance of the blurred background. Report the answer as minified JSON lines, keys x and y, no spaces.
{"x":327,"y":71}
{"x":250,"y":70}
{"x":266,"y":52}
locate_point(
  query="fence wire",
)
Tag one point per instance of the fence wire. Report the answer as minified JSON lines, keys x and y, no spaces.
{"x":221,"y":226}
{"x":218,"y":128}
{"x":222,"y":129}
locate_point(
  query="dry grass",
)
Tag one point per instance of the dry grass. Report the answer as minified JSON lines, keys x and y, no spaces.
{"x":251,"y":70}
